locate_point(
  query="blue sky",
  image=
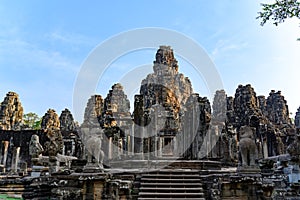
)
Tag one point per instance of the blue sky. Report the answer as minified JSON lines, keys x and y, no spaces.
{"x":43,"y":45}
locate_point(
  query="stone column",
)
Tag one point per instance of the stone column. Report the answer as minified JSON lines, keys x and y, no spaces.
{"x":175,"y":150}
{"x":142,"y":142}
{"x":160,"y":146}
{"x":138,"y":140}
{"x":132,"y":140}
{"x":265,"y":149}
{"x":15,"y":159}
{"x":1,"y":151}
{"x":63,"y":150}
{"x":128,"y":144}
{"x":155,"y":146}
{"x":6,"y":145}
{"x":73,"y":148}
{"x":110,"y":150}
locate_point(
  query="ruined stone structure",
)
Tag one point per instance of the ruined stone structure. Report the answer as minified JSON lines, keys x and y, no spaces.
{"x":11,"y":112}
{"x":174,"y":145}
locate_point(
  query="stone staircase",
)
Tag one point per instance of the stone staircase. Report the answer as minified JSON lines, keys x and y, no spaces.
{"x":171,"y":184}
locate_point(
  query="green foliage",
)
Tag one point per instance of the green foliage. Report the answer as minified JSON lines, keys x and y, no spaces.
{"x":32,"y":120}
{"x":279,"y":11}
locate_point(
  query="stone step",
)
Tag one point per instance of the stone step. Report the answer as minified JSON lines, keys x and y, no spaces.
{"x":12,"y":189}
{"x":175,"y":185}
{"x":170,"y":189}
{"x":170,"y":195}
{"x":171,"y":184}
{"x":174,"y":171}
{"x":141,"y":198}
{"x":173,"y":180}
{"x":196,"y":176}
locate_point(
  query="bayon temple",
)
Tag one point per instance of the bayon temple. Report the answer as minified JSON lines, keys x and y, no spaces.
{"x":175,"y":144}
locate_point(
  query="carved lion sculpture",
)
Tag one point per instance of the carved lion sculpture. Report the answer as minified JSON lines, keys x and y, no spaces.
{"x":247,"y":147}
{"x":93,"y":146}
{"x":35,"y":148}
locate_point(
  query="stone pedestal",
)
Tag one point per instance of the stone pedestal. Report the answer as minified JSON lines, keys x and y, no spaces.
{"x":23,"y":168}
{"x":93,"y":189}
{"x":53,"y":164}
{"x":92,"y":168}
{"x":249,"y":171}
{"x":36,"y":170}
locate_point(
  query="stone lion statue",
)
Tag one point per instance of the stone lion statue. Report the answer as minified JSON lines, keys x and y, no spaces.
{"x":247,"y":147}
{"x":35,"y":148}
{"x":93,"y":146}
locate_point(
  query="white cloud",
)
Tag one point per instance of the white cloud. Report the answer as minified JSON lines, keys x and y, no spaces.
{"x":70,"y":38}
{"x":227,"y":46}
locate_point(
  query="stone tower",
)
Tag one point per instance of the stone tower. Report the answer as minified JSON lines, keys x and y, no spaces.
{"x":116,"y":106}
{"x":50,"y":120}
{"x":67,"y":121}
{"x":165,"y":87}
{"x":11,"y":112}
{"x":51,"y":125}
{"x":277,"y":109}
{"x":245,"y":104}
{"x":219,"y":106}
{"x":93,"y":111}
{"x":160,"y":106}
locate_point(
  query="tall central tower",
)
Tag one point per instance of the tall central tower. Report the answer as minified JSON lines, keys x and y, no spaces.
{"x":159,"y":107}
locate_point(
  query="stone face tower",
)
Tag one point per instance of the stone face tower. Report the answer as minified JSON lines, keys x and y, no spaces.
{"x":93,"y":111}
{"x":277,"y":109}
{"x":11,"y":112}
{"x":67,"y":121}
{"x":165,"y":87}
{"x":159,"y":108}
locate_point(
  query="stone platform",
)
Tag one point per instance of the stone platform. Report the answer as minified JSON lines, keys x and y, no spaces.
{"x":167,"y":164}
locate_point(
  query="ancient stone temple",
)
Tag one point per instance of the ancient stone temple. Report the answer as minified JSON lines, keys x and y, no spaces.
{"x":176,"y":144}
{"x":11,"y":112}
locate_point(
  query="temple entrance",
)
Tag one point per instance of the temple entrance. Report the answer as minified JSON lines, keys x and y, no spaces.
{"x":167,"y":146}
